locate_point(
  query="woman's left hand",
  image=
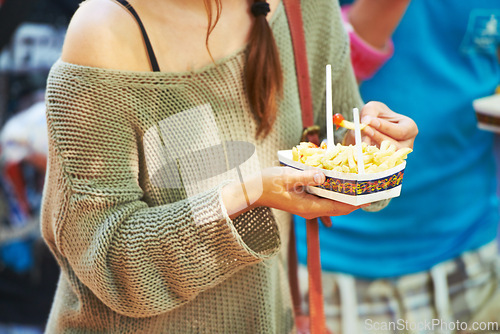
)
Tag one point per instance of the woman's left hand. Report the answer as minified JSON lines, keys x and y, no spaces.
{"x":385,"y":124}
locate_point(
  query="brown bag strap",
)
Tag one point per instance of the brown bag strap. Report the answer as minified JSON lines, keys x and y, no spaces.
{"x":295,"y":23}
{"x":316,"y":311}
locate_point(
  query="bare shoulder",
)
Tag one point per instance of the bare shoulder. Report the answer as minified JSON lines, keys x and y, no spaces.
{"x":102,"y":34}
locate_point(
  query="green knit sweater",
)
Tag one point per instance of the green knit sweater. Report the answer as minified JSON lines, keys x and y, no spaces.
{"x":132,"y":208}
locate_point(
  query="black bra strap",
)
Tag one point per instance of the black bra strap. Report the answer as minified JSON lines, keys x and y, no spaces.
{"x":149,"y":48}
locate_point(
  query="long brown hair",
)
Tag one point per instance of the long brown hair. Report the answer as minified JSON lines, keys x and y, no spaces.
{"x":263,"y":74}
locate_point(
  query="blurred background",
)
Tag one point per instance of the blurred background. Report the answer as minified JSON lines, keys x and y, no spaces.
{"x":31,"y":37}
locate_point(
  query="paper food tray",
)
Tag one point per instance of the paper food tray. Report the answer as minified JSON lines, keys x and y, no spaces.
{"x":352,"y":188}
{"x":488,"y":112}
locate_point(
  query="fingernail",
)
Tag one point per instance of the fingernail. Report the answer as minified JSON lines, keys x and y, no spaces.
{"x":366,"y":119}
{"x":375,"y":123}
{"x":319,"y":178}
{"x":369,"y":131}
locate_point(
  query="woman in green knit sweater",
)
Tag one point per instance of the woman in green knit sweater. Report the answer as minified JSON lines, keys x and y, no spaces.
{"x":163,"y":203}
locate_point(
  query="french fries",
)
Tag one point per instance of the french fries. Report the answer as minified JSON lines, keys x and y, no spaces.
{"x":343,"y":158}
{"x":339,"y":121}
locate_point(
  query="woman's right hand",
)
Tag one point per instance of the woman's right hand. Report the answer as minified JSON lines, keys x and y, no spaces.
{"x":283,"y":188}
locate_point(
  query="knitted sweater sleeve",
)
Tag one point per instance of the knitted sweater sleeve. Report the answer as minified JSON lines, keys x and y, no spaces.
{"x":138,"y":259}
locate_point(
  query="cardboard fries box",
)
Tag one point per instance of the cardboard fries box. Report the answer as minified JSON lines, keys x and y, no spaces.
{"x":351,"y":188}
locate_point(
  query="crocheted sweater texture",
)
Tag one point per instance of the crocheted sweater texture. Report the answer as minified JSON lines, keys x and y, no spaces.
{"x":132,"y":208}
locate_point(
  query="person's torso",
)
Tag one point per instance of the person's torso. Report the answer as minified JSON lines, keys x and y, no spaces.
{"x":176,"y":120}
{"x":445,"y":56}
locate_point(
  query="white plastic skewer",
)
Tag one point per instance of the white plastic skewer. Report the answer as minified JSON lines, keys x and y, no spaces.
{"x":329,"y":109}
{"x":357,"y":137}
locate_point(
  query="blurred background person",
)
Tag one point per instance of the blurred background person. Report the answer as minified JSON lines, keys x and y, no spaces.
{"x":431,"y":253}
{"x":31,"y":35}
{"x":28,"y":271}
